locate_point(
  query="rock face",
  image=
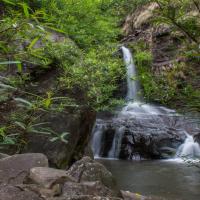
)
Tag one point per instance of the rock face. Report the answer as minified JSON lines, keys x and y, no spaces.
{"x":33,"y":180}
{"x":79,"y":125}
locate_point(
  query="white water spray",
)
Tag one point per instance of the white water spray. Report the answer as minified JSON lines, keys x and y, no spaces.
{"x":189,"y":149}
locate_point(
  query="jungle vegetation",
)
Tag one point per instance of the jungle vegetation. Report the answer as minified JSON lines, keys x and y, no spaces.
{"x":77,"y":42}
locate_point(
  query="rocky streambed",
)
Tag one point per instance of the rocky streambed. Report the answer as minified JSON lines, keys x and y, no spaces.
{"x":29,"y":177}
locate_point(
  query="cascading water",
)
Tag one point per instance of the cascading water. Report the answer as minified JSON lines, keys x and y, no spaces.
{"x":116,"y":145}
{"x":189,"y":149}
{"x":96,"y":141}
{"x":135,"y":106}
{"x":133,"y":87}
{"x":141,"y":130}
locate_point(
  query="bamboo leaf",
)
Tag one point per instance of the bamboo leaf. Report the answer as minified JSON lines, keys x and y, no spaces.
{"x":34,"y":41}
{"x":20,"y":100}
{"x":9,"y":62}
{"x":39,"y":131}
{"x":39,"y":124}
{"x":9,"y":2}
{"x":25,"y":9}
{"x":54,"y":139}
{"x":21,"y":125}
{"x":56,"y":29}
{"x":19,"y":67}
{"x":4,"y":86}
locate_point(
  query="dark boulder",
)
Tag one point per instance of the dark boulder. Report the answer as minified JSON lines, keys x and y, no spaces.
{"x":78,"y":125}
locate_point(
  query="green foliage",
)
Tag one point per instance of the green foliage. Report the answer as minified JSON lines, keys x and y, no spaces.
{"x":77,"y":40}
{"x":171,"y":87}
{"x":26,"y":120}
{"x":182,"y":15}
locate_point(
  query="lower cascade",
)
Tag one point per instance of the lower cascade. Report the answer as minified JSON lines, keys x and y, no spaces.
{"x":141,"y":130}
{"x":189,"y":149}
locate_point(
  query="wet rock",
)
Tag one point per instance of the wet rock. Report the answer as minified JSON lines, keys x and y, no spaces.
{"x":142,"y":136}
{"x":87,"y":170}
{"x":10,"y":192}
{"x":15,"y":169}
{"x":47,"y":177}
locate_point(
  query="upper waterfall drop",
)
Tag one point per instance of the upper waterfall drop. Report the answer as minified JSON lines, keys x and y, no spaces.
{"x":133,"y":87}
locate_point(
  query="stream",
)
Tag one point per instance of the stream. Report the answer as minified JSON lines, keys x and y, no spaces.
{"x":144,"y":145}
{"x":167,"y":179}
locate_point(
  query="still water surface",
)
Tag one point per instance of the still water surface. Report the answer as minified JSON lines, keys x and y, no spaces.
{"x":169,"y":179}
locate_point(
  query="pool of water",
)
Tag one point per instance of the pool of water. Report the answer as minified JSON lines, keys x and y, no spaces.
{"x":169,"y":179}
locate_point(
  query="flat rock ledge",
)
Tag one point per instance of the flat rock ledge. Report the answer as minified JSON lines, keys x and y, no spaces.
{"x":29,"y":177}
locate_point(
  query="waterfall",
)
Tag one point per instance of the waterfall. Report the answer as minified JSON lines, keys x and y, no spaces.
{"x":132,"y":82}
{"x":97,"y":139}
{"x":133,"y":89}
{"x":129,"y":132}
{"x":116,"y":145}
{"x":189,"y":149}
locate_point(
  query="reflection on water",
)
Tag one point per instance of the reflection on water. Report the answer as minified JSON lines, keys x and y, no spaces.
{"x":172,"y":180}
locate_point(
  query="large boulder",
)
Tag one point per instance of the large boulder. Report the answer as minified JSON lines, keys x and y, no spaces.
{"x":88,"y":170}
{"x":15,"y":169}
{"x":61,"y":155}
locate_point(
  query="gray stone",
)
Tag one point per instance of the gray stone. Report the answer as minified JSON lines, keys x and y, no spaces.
{"x":87,"y":170}
{"x":15,"y":169}
{"x":10,"y":192}
{"x":71,"y":189}
{"x":47,"y":177}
